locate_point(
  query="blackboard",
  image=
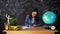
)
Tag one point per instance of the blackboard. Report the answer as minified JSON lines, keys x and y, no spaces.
{"x":18,"y":9}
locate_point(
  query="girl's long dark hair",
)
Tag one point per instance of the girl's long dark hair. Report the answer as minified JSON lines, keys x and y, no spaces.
{"x":36,"y":17}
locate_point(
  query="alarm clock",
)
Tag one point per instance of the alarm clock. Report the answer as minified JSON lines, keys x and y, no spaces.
{"x":53,"y":27}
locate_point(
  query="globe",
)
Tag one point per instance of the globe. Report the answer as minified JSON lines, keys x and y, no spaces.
{"x":49,"y":17}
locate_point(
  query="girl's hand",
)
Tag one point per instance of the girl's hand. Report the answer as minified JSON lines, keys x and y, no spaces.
{"x":34,"y":25}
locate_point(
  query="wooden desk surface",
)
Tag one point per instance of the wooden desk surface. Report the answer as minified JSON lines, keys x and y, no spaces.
{"x":34,"y":29}
{"x":31,"y":31}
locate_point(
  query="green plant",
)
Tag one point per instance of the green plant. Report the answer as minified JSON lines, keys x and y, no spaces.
{"x":13,"y":22}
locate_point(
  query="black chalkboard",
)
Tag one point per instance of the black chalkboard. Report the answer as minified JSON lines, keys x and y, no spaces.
{"x":18,"y":9}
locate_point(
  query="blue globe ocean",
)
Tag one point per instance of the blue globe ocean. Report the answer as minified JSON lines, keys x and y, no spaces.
{"x":49,"y":17}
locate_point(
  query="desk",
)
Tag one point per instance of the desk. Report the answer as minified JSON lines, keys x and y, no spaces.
{"x":40,"y":31}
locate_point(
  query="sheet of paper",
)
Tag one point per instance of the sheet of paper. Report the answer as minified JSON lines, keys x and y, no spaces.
{"x":24,"y":27}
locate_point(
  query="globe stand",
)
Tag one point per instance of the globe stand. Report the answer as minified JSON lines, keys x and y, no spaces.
{"x":47,"y":26}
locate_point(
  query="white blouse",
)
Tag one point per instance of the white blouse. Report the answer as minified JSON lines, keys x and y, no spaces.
{"x":33,"y":20}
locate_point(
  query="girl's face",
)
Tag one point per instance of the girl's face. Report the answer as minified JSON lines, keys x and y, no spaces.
{"x":34,"y":14}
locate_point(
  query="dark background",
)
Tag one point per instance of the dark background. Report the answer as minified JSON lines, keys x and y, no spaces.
{"x":18,"y":9}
